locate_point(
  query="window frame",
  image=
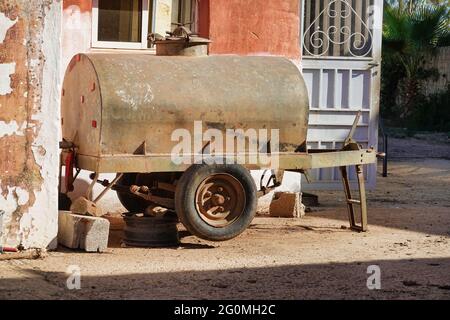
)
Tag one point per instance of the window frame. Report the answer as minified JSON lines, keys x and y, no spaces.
{"x":123,"y":45}
{"x":192,"y":15}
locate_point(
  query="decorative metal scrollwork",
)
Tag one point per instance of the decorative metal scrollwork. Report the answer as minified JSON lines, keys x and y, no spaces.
{"x":318,"y":39}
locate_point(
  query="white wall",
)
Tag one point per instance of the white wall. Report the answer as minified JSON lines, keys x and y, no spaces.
{"x":42,"y":218}
{"x":31,"y":212}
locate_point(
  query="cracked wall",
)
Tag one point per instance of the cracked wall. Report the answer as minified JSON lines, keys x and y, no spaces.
{"x":30,"y":77}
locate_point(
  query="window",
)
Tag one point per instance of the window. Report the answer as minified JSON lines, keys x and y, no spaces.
{"x":120,"y":24}
{"x":126,"y":24}
{"x":184,"y":12}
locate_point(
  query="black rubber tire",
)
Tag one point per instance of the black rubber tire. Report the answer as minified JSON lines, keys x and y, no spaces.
{"x":131,"y":202}
{"x":185,"y":198}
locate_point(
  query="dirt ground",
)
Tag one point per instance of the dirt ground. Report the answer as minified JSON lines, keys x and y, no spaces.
{"x":311,"y":258}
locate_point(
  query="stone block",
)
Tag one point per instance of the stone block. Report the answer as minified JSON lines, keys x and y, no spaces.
{"x":287,"y":205}
{"x":82,"y":232}
{"x":83,"y":206}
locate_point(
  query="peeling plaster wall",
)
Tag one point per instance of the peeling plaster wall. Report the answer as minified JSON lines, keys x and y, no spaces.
{"x":6,"y":70}
{"x":30,"y":52}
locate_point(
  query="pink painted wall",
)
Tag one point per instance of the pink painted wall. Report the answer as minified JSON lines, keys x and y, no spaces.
{"x":251,"y":27}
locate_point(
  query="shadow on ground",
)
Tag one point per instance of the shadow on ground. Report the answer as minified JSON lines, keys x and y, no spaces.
{"x":400,"y":279}
{"x":429,"y":221}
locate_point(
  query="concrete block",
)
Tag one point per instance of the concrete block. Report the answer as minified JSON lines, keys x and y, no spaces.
{"x":287,"y":205}
{"x":83,"y":232}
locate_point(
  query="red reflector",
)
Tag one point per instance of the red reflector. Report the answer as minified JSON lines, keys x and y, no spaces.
{"x":70,"y":164}
{"x":94,"y":124}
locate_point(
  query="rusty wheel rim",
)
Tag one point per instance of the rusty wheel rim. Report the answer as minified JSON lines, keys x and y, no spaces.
{"x":220,"y":200}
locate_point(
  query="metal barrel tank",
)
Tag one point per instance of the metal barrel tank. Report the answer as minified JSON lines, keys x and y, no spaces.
{"x":115,"y":104}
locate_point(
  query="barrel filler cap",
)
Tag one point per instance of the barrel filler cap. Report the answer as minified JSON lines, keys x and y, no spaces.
{"x":180,"y":42}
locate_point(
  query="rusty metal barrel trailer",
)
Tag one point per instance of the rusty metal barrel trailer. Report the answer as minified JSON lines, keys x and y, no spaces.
{"x":121,"y":112}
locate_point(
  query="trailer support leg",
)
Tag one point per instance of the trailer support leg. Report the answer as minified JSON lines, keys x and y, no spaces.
{"x":362,"y":202}
{"x":108,"y":187}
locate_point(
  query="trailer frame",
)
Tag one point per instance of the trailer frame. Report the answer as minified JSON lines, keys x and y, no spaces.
{"x":350,"y":155}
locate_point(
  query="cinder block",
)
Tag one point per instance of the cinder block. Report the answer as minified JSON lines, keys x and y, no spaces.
{"x":287,"y":205}
{"x":83,"y":232}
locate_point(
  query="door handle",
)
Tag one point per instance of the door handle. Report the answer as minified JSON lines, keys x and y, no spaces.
{"x":373,"y":65}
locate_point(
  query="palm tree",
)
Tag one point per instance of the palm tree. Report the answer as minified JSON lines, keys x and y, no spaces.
{"x":412,"y":4}
{"x":412,"y":32}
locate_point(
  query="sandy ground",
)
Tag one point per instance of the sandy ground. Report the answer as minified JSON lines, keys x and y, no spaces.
{"x":310,"y":258}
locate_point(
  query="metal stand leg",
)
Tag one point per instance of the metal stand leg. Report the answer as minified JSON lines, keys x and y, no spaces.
{"x":362,"y":202}
{"x":348,"y":195}
{"x":91,"y":187}
{"x":362,"y":197}
{"x":108,"y":187}
{"x":385,"y":158}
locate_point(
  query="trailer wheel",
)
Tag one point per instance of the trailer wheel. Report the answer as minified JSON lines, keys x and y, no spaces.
{"x":216,"y":202}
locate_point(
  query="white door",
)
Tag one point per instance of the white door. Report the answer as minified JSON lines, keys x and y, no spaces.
{"x":341,"y":47}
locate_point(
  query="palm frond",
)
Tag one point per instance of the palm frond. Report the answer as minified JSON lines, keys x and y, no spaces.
{"x":412,"y":34}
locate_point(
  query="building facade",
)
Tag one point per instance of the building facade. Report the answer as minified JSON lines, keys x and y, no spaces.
{"x":335,"y":42}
